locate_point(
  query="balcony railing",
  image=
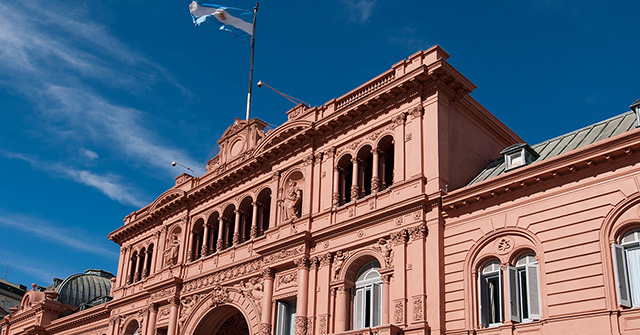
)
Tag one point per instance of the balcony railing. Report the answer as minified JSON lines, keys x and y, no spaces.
{"x":379,"y":330}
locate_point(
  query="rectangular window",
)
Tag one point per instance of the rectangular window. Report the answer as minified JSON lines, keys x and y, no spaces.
{"x":286,"y":318}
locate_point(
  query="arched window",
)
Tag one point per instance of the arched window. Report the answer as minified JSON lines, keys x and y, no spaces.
{"x":246,"y":213}
{"x":365,"y":171}
{"x":132,"y":269}
{"x":386,"y":162}
{"x":197,"y":239}
{"x":626,"y":262}
{"x":524,"y":292}
{"x":228,"y":218}
{"x":213,"y":233}
{"x":264,"y":209}
{"x":149,"y":258}
{"x":132,"y":328}
{"x":367,"y":303}
{"x":490,"y":294}
{"x":345,"y":179}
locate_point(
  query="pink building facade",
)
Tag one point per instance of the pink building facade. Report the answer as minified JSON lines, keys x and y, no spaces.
{"x":402,"y":207}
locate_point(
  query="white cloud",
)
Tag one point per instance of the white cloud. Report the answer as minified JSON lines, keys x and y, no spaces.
{"x":359,"y":11}
{"x":92,"y":155}
{"x":109,"y":184}
{"x":117,"y":126}
{"x":53,"y":55}
{"x":48,"y":231}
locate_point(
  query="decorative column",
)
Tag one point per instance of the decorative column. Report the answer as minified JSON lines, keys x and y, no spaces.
{"x":254,"y":220}
{"x":375,"y":179}
{"x":136,"y":274}
{"x":265,"y":319}
{"x":303,"y":292}
{"x":190,"y":250}
{"x":386,"y":281}
{"x":205,"y":241}
{"x":219,"y":243}
{"x":145,"y":262}
{"x":151,"y":323}
{"x":355,"y":189}
{"x":173,"y":315}
{"x":341,"y":308}
{"x":236,"y":228}
{"x":336,"y":187}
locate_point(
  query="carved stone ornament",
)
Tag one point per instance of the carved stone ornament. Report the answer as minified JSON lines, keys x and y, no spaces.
{"x":323,"y":325}
{"x":265,"y":329}
{"x":220,"y":296}
{"x":384,"y":247}
{"x":252,"y":289}
{"x":225,"y":274}
{"x":291,"y":201}
{"x":398,"y":311}
{"x":187,"y":306}
{"x":171,"y":251}
{"x":417,"y":308}
{"x":418,"y":232}
{"x":338,"y":260}
{"x":309,"y":160}
{"x":504,"y":245}
{"x":301,"y":325}
{"x":326,"y":259}
{"x":283,"y":254}
{"x":399,"y":237}
{"x":303,"y":262}
{"x":267,"y":273}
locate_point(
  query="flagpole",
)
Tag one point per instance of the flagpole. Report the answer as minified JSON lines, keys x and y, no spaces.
{"x":253,"y":43}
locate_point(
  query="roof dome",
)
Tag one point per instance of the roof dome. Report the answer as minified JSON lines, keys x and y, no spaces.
{"x":82,"y":288}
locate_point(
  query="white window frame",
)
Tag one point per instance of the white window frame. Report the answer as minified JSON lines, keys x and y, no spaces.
{"x":285,"y":318}
{"x":372,"y":284}
{"x":625,"y":270}
{"x":490,"y":271}
{"x":524,"y":289}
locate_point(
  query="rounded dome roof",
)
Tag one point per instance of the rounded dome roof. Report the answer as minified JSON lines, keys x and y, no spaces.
{"x":82,"y":288}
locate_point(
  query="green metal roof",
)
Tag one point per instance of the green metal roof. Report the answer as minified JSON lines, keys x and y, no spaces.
{"x":567,"y":142}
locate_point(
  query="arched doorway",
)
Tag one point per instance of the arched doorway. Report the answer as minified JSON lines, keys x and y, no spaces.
{"x":223,"y":320}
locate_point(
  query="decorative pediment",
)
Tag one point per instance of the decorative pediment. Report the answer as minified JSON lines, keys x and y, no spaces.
{"x":237,"y":143}
{"x":281,"y":134}
{"x":166,"y":198}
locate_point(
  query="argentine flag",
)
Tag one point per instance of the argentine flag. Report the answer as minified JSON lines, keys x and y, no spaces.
{"x":238,"y":22}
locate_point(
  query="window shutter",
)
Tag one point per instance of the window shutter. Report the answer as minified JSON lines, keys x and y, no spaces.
{"x":533,"y":291}
{"x":620,"y":268}
{"x":358,"y":309}
{"x":514,"y":296}
{"x":377,"y":304}
{"x":482,"y":301}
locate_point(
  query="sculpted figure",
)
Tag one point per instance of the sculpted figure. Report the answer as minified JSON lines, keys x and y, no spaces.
{"x":171,"y":253}
{"x":292,"y":201}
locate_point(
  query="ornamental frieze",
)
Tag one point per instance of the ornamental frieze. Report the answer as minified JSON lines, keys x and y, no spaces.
{"x":283,"y":254}
{"x":223,"y":275}
{"x":163,"y":293}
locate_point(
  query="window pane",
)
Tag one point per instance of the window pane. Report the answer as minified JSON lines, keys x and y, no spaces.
{"x":524,"y":299}
{"x":633,"y":265}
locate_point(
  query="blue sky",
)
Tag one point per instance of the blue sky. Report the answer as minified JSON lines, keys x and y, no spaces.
{"x":97,"y":98}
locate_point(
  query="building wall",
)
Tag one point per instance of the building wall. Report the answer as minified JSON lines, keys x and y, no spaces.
{"x":429,"y":231}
